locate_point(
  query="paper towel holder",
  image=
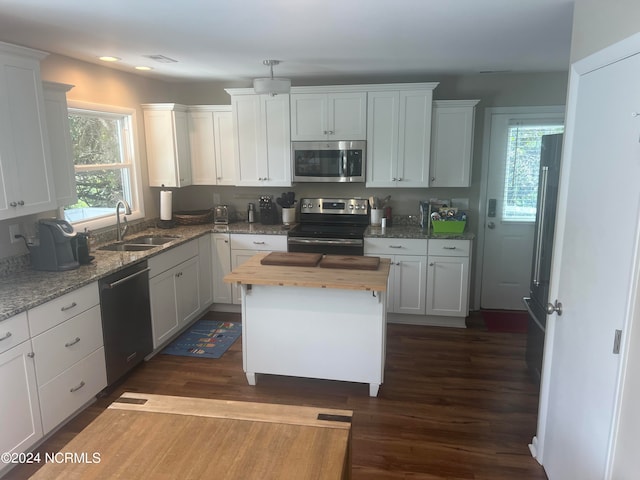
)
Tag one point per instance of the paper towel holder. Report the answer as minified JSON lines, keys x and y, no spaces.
{"x":164,"y":223}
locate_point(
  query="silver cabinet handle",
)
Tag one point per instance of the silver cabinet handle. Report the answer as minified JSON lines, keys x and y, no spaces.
{"x":78,"y":387}
{"x":69,"y":307}
{"x":21,"y":202}
{"x":258,"y":243}
{"x":31,"y":354}
{"x":7,"y":335}
{"x":431,"y":264}
{"x":449,"y":248}
{"x":13,"y":204}
{"x":395,"y":246}
{"x":72,"y":342}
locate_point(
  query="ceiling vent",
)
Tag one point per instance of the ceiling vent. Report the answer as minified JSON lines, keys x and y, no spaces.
{"x":161,"y":58}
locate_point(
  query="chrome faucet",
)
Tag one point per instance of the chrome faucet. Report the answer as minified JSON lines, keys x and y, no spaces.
{"x":127,"y":211}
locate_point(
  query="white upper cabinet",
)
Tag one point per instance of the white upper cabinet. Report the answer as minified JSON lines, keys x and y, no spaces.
{"x":26,"y":173}
{"x":262,"y":133}
{"x":55,"y":105}
{"x":399,"y":136}
{"x":328,"y":116}
{"x":211,"y":145}
{"x":167,"y":141}
{"x":452,"y":143}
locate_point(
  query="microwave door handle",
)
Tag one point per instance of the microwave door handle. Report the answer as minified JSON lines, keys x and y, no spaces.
{"x":344,"y":172}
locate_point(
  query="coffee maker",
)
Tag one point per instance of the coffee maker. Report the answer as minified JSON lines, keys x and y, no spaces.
{"x":57,"y":249}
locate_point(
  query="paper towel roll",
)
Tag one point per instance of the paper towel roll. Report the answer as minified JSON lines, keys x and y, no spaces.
{"x":165,"y":205}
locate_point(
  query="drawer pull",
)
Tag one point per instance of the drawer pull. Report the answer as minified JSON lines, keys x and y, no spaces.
{"x":395,"y":246}
{"x":7,"y":335}
{"x":69,"y":307}
{"x":72,"y":343}
{"x":449,"y":248}
{"x":78,"y":387}
{"x":258,"y":243}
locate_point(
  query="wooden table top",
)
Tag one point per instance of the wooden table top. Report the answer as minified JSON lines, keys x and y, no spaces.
{"x":252,"y":272}
{"x":163,"y":437}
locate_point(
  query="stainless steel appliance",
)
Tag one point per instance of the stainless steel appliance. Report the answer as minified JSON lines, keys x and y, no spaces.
{"x":330,"y":226}
{"x":538,"y":300}
{"x":126,"y":319}
{"x":336,"y":161}
{"x":221,"y":215}
{"x":56,"y":248}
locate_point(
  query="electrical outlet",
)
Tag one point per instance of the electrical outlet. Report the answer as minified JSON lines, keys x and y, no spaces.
{"x":13,"y":231}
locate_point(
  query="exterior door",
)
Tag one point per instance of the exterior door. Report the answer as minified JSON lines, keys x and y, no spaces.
{"x":512,"y":186}
{"x":594,"y":273}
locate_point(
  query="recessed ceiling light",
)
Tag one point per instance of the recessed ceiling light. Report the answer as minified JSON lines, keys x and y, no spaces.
{"x":142,"y":67}
{"x":109,"y":59}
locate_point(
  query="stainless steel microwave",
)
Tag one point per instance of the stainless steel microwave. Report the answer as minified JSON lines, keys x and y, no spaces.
{"x":334,"y":161}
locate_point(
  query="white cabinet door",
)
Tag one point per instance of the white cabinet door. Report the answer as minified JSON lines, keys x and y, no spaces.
{"x":452,"y":143}
{"x":55,"y":103}
{"x":205,"y":271}
{"x":263,"y":140}
{"x":167,"y":141}
{"x":164,"y":310}
{"x":221,"y":250}
{"x":186,"y":285}
{"x":448,"y":286}
{"x":410,"y":275}
{"x":211,"y":145}
{"x":19,"y":405}
{"x":399,"y":138}
{"x":26,"y":184}
{"x":329,"y":116}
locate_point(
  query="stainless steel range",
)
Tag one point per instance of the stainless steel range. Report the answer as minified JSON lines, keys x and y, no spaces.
{"x":330,"y":226}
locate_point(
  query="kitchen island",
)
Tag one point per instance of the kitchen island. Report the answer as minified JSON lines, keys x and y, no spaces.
{"x":309,"y":321}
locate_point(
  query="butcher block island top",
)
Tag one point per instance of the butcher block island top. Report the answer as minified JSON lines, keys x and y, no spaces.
{"x":325,"y":273}
{"x":155,"y":436}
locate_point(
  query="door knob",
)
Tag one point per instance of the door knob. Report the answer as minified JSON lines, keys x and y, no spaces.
{"x":491,"y":225}
{"x":555,"y":307}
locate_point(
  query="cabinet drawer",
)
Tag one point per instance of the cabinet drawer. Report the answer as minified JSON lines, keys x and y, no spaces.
{"x":166,"y":260}
{"x":450,"y":248}
{"x":276,"y":243}
{"x":58,"y":310}
{"x":73,"y":388}
{"x":395,"y":246}
{"x":62,"y":346}
{"x":13,"y":331}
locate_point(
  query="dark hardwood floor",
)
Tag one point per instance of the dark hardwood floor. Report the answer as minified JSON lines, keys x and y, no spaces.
{"x":455,"y":404}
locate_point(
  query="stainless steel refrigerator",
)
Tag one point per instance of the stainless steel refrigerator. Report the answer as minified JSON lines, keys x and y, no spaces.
{"x":538,"y":298}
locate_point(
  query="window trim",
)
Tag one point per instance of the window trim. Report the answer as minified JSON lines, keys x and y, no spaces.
{"x":137,"y":212}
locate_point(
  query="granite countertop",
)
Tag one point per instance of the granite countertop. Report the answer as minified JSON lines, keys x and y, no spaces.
{"x":26,"y":289}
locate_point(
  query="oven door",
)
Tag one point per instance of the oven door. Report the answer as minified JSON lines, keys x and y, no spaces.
{"x":327,"y":246}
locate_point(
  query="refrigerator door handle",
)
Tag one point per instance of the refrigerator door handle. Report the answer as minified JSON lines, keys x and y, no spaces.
{"x":542,"y":208}
{"x":526,"y":301}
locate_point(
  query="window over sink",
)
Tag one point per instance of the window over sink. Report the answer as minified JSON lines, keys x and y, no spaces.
{"x":105,"y":162}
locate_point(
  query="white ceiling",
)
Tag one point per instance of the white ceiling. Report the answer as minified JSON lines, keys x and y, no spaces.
{"x":227,"y":40}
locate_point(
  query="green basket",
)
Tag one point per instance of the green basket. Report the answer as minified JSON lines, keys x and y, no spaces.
{"x":448,"y":226}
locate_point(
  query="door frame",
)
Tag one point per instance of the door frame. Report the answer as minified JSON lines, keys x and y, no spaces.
{"x":609,"y":55}
{"x":482,"y":199}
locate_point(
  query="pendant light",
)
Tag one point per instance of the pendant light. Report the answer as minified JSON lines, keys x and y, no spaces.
{"x":270,"y":85}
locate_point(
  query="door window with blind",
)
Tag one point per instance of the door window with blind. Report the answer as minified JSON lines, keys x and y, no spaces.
{"x":522,"y":169}
{"x":105,"y":164}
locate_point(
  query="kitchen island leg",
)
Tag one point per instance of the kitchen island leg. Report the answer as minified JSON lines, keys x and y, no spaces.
{"x":251,"y":378}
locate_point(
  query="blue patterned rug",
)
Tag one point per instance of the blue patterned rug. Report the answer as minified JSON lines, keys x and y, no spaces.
{"x":205,"y":339}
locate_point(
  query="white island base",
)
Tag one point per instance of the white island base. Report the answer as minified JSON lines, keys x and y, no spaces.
{"x":325,"y":333}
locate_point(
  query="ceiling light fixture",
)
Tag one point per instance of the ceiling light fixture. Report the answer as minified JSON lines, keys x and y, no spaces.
{"x":109,"y":59}
{"x":270,"y":85}
{"x":144,"y":68}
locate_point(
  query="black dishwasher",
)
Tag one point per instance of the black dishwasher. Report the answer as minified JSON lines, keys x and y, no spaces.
{"x":126,"y":319}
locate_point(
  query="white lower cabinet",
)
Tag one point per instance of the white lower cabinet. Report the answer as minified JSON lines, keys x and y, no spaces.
{"x":221,"y":252}
{"x":174,"y":291}
{"x":408,"y":274}
{"x":245,"y":246}
{"x":448,"y":278}
{"x":19,"y":406}
{"x":205,"y":271}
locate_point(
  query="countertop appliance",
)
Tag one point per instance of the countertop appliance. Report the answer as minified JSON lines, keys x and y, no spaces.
{"x":221,"y":215}
{"x":126,"y":319}
{"x":330,"y":226}
{"x":536,"y":303}
{"x":56,"y":249}
{"x":334,"y":161}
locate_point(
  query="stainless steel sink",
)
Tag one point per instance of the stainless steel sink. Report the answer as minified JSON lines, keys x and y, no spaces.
{"x":150,"y":240}
{"x":126,"y":247}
